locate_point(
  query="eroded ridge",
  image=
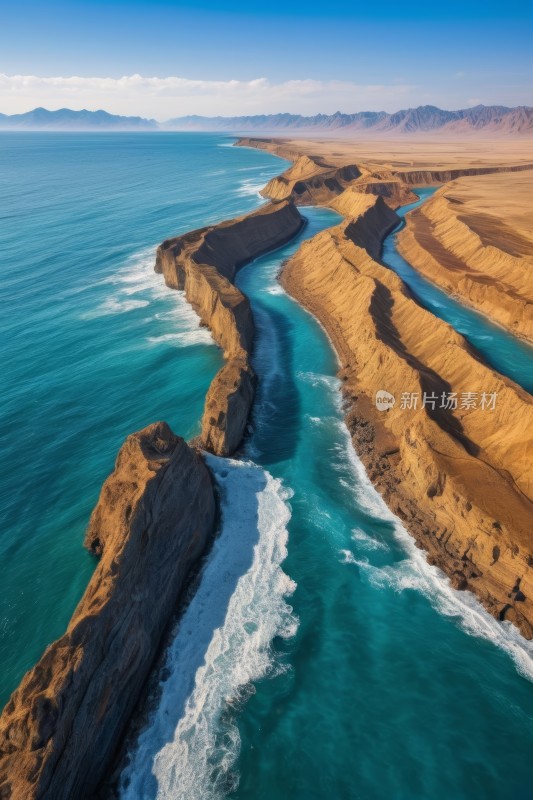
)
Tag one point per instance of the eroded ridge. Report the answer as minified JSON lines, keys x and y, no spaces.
{"x":473,"y":238}
{"x":204,"y":263}
{"x":154,"y":518}
{"x":460,"y":479}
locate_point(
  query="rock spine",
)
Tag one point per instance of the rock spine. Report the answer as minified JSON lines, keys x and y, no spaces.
{"x":204,"y":264}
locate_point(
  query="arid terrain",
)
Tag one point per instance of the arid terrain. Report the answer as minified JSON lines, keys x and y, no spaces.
{"x":458,"y":474}
{"x":474,"y":239}
{"x":460,"y":478}
{"x":408,"y":153}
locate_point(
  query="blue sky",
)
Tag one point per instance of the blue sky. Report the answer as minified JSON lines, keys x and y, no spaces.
{"x":165,"y":58}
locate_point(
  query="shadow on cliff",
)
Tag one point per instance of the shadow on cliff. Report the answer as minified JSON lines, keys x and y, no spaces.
{"x":431,"y":383}
{"x":195,"y":689}
{"x":276,"y":415}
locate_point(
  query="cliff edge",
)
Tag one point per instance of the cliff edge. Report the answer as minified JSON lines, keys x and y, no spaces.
{"x":204,"y":264}
{"x":473,"y":239}
{"x":153,"y":520}
{"x":459,"y":477}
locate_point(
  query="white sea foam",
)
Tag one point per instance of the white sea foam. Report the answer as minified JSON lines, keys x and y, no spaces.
{"x":414,"y":572}
{"x":347,"y":557}
{"x":115,"y":306}
{"x":222,"y":644}
{"x":317,"y":379}
{"x":137,"y":285}
{"x":249,"y":186}
{"x":275,"y":288}
{"x":367,"y":542}
{"x":183,"y":338}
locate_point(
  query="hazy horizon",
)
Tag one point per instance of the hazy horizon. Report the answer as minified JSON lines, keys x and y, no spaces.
{"x":175,"y":59}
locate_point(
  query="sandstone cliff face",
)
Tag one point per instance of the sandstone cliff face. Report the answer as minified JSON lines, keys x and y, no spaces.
{"x":309,"y":181}
{"x":425,"y":177}
{"x":462,"y":479}
{"x":474,"y":256}
{"x":369,"y":220}
{"x":204,"y":263}
{"x":394,"y":191}
{"x":155,"y":515}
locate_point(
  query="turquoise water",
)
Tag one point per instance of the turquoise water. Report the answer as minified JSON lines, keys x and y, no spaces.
{"x":321,"y":656}
{"x":506,"y":353}
{"x":338,"y":664}
{"x":387,"y":696}
{"x":93,"y":346}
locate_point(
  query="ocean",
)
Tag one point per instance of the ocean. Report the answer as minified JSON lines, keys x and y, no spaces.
{"x":321,"y":656}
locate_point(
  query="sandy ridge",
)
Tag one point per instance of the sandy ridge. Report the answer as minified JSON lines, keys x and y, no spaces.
{"x":461,"y":480}
{"x":204,"y":264}
{"x":468,"y":243}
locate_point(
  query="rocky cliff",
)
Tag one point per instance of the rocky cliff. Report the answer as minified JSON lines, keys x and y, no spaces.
{"x":154,"y":518}
{"x":427,"y":177}
{"x":460,"y":478}
{"x":311,"y":181}
{"x":467,"y":239}
{"x":204,"y":263}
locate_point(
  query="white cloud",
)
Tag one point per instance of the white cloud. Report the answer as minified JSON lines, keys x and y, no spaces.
{"x":168,"y":97}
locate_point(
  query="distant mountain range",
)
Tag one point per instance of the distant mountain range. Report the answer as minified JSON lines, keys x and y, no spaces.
{"x":40,"y":119}
{"x":494,"y":119}
{"x":487,"y":119}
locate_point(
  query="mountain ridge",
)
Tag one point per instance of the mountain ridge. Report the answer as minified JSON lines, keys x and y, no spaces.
{"x":422,"y":119}
{"x":67,"y":119}
{"x":411,"y":120}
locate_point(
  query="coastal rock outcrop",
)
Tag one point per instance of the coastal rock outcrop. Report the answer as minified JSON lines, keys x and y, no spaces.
{"x":153,"y":520}
{"x":204,"y":264}
{"x":460,"y":478}
{"x":473,"y":238}
{"x":311,"y":181}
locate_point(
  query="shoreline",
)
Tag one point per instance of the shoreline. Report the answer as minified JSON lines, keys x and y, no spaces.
{"x":36,"y":746}
{"x":454,"y":250}
{"x":204,"y":264}
{"x":439,"y":526}
{"x":49,"y":742}
{"x":458,"y":297}
{"x":153,"y":522}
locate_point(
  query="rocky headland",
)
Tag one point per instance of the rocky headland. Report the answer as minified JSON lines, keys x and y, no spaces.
{"x":204,"y":263}
{"x":460,"y":478}
{"x":154,"y":519}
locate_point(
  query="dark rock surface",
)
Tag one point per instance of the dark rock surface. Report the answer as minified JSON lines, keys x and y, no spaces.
{"x":154,"y":518}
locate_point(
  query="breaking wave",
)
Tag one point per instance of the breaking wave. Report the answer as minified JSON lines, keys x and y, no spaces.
{"x":223,"y":643}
